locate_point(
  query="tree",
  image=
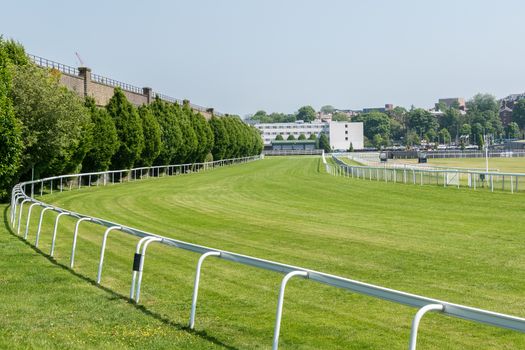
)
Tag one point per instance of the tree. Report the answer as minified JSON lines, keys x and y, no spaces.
{"x":220,"y":137}
{"x":279,"y":137}
{"x":327,"y":109}
{"x":481,"y":103}
{"x":378,"y":141}
{"x":312,"y":137}
{"x":170,"y":133}
{"x":11,"y":145}
{"x":444,"y":135}
{"x":291,"y":138}
{"x":412,"y":139}
{"x":375,"y":123}
{"x":189,"y":137}
{"x":451,"y":120}
{"x":306,"y":113}
{"x":518,"y":113}
{"x":421,"y":121}
{"x":152,"y":141}
{"x":465,"y":129}
{"x":513,"y":130}
{"x":129,"y":131}
{"x":324,"y":143}
{"x":480,"y":141}
{"x":104,"y":143}
{"x":340,"y":117}
{"x":302,"y":137}
{"x":55,"y":123}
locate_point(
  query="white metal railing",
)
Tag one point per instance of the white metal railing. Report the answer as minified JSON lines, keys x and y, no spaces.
{"x":418,"y":175}
{"x":424,"y":304}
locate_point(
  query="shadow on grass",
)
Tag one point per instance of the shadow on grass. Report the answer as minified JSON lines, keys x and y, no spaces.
{"x":115,"y":295}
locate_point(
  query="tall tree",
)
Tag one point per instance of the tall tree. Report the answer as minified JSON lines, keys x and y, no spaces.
{"x":221,"y":138}
{"x":11,"y":145}
{"x":375,"y":123}
{"x":55,"y":123}
{"x":129,"y":131}
{"x":518,"y":113}
{"x":324,"y":143}
{"x":104,"y":142}
{"x":152,"y":140}
{"x":306,"y":113}
{"x":421,"y":121}
{"x":170,"y":133}
{"x":327,"y":109}
{"x":513,"y":130}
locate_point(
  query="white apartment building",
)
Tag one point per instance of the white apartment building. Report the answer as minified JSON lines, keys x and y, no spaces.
{"x":341,"y":134}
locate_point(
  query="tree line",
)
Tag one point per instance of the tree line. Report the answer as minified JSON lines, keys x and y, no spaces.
{"x":46,"y":129}
{"x":417,"y":125}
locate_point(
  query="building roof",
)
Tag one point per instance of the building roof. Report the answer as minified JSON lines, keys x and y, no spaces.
{"x":293,"y":142}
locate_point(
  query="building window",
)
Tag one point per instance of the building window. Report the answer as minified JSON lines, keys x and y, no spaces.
{"x":346,"y":125}
{"x":346,"y":138}
{"x":346,"y":132}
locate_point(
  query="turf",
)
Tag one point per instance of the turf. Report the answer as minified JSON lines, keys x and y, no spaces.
{"x":458,"y":245}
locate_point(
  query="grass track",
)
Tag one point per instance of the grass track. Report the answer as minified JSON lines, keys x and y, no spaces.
{"x":458,"y":245}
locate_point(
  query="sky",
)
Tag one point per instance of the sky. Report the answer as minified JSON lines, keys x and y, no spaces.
{"x":243,"y":56}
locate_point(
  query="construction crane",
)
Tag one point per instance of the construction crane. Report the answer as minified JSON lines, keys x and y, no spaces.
{"x":79,"y":59}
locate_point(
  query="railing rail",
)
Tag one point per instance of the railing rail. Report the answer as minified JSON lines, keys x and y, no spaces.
{"x":19,"y":197}
{"x":44,"y":62}
{"x":418,"y":175}
{"x":115,"y":83}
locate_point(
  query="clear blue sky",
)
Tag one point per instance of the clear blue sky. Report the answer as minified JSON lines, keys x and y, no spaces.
{"x":242,"y":56}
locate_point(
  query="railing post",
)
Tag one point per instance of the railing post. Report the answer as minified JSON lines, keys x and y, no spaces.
{"x":280,"y":301}
{"x":20,"y":215}
{"x":196,"y":285}
{"x":75,"y":235}
{"x":417,"y":318}
{"x":40,"y":225}
{"x":141,"y":268}
{"x":103,"y":250}
{"x":137,"y":258}
{"x":55,"y":232}
{"x":29,"y":218}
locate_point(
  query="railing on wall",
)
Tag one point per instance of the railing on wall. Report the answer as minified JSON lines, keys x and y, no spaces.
{"x":115,"y":83}
{"x":70,"y":182}
{"x":445,"y":177}
{"x":44,"y":62}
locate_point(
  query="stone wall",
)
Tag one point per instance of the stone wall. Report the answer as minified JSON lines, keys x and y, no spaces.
{"x":102,"y":89}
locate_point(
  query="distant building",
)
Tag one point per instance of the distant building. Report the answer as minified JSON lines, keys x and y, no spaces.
{"x":341,"y":134}
{"x":388,"y":107}
{"x":293,"y":145}
{"x":506,"y":106}
{"x":456,"y":102}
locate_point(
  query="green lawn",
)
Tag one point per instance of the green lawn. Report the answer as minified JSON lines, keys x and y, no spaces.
{"x":459,"y":245}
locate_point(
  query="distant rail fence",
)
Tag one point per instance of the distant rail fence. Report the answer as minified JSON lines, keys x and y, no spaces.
{"x":419,"y":175}
{"x":295,"y":152}
{"x":455,"y":154}
{"x":20,"y":198}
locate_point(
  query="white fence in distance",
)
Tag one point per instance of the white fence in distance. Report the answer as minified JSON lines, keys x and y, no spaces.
{"x":419,"y":175}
